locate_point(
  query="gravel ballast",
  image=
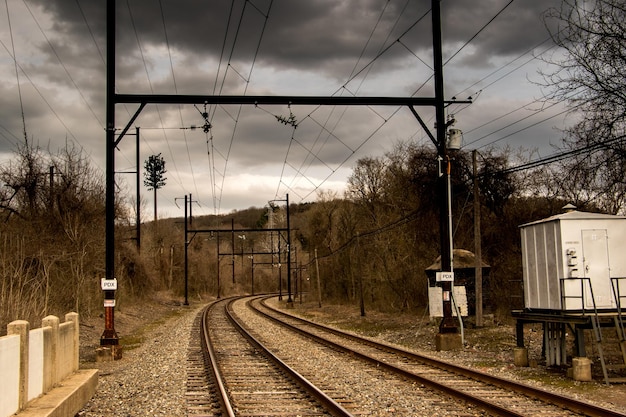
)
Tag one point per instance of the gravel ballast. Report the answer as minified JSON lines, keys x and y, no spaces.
{"x":150,"y":379}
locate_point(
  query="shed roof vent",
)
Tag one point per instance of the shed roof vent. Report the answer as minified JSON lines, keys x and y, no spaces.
{"x":568,"y":208}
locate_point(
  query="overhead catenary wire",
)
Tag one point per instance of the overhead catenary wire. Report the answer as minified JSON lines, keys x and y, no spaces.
{"x":247,"y":83}
{"x":180,"y":113}
{"x":236,"y":117}
{"x":67,"y":72}
{"x":563,"y":155}
{"x":453,"y":55}
{"x":312,"y":153}
{"x":42,"y":96}
{"x":17,"y":73}
{"x":33,"y":85}
{"x":145,"y":66}
{"x":218,"y":198}
{"x":351,"y":77}
{"x":478,"y":33}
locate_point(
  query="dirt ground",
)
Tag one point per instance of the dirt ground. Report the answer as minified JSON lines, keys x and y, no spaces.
{"x":489,"y":349}
{"x":133,"y":321}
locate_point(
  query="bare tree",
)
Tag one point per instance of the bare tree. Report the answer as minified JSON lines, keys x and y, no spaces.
{"x":590,"y":75}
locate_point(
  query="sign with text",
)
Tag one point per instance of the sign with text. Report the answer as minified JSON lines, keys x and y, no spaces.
{"x":444,"y":276}
{"x":108,"y":284}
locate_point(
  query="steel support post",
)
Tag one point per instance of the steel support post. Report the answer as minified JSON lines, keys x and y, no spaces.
{"x":289,"y":299}
{"x":186,"y":255}
{"x":448,"y":325}
{"x":109,"y":336}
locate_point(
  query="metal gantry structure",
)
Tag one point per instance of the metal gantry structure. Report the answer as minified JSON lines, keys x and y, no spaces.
{"x":109,"y":336}
{"x":191,"y":233}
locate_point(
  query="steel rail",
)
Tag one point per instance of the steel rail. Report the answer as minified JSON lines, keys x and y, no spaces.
{"x":485,"y":405}
{"x":330,"y":405}
{"x":217,"y":374}
{"x":561,"y":401}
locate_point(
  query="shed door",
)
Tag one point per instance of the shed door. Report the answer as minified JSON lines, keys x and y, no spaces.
{"x":596,"y":267}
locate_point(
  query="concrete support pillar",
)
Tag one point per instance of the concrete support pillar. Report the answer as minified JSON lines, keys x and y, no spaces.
{"x":520,"y":356}
{"x":448,"y":341}
{"x":22,"y":329}
{"x":73,"y":318}
{"x":51,"y":351}
{"x":581,"y":369}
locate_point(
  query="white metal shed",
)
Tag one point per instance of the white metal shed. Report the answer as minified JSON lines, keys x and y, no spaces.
{"x":569,"y":259}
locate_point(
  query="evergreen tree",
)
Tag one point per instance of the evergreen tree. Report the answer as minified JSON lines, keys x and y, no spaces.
{"x":154,"y":176}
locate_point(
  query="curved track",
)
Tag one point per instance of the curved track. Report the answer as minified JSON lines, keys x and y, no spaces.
{"x":493,"y":395}
{"x":252,"y":381}
{"x":352,"y":372}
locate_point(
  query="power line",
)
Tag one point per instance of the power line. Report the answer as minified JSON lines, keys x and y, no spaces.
{"x":54,"y":51}
{"x":562,"y":155}
{"x":478,"y":33}
{"x":399,"y":41}
{"x":323,"y":126}
{"x":180,"y":113}
{"x":17,"y":74}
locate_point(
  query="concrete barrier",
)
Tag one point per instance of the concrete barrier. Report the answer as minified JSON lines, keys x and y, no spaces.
{"x":39,"y":373}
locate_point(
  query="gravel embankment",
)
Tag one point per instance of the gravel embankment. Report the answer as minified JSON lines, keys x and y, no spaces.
{"x":149,"y":380}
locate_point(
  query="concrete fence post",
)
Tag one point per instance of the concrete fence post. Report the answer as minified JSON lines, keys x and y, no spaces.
{"x":22,"y":329}
{"x":51,"y":351}
{"x":73,"y":317}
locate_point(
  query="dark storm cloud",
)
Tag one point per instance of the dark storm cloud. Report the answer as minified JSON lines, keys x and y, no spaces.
{"x":309,"y":47}
{"x":325,"y":34}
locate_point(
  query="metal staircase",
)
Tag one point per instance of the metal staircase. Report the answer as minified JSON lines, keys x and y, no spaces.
{"x":618,"y":285}
{"x":594,"y":318}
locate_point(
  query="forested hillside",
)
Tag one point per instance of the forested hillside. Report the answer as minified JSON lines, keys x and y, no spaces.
{"x":374,"y":241}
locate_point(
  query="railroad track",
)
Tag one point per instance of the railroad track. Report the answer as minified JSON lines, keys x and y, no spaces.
{"x":248,"y":380}
{"x":201,"y":398}
{"x":363,"y":377}
{"x":487,"y":394}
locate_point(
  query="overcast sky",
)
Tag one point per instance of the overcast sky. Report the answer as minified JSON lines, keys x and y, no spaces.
{"x":264,"y":47}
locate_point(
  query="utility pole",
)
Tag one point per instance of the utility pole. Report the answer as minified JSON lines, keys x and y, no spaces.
{"x":252,"y":268}
{"x":186,"y":254}
{"x":109,"y":336}
{"x":232,"y":246}
{"x":280,"y":271}
{"x":360,"y":275}
{"x":51,"y":197}
{"x":478,"y":261}
{"x":188,"y":220}
{"x":319,"y":287}
{"x":448,"y":337}
{"x":137,"y":184}
{"x":219,"y":295}
{"x":289,"y":299}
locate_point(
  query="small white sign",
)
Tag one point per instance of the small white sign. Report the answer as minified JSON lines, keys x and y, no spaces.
{"x":108,"y":284}
{"x":444,"y":276}
{"x":109,"y":303}
{"x":435,"y":301}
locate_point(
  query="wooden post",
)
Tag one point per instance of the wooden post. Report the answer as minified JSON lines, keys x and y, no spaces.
{"x":319,"y":288}
{"x":478,"y":265}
